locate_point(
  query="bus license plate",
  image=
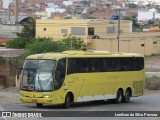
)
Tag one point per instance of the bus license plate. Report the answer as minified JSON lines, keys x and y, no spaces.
{"x":34,"y":101}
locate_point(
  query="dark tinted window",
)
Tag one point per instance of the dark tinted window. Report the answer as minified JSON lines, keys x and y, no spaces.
{"x":91,"y":31}
{"x":60,"y":73}
{"x":82,"y":65}
{"x":137,"y":64}
{"x":73,"y":66}
{"x":126,"y":64}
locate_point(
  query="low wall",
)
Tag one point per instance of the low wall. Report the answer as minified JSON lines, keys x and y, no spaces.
{"x":9,"y":31}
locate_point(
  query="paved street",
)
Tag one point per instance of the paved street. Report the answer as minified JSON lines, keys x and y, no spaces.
{"x":149,"y":102}
{"x":143,"y":103}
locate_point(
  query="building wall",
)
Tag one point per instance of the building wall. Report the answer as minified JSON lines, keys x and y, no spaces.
{"x":145,"y":15}
{"x":9,"y":31}
{"x":143,"y":43}
{"x":157,"y":15}
{"x":67,"y":3}
{"x":53,"y":27}
{"x":147,"y":45}
{"x":50,"y":10}
{"x":41,"y":14}
{"x":148,"y":14}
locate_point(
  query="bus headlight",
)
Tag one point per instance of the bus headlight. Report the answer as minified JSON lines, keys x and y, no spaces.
{"x":47,"y":96}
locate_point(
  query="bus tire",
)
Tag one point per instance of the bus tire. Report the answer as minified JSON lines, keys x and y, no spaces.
{"x":119,"y":96}
{"x":126,"y":97}
{"x":39,"y":105}
{"x":67,"y":103}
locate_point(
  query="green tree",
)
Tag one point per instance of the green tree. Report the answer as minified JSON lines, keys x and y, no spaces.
{"x":132,"y":5}
{"x":45,"y":46}
{"x":28,"y":31}
{"x":24,"y":37}
{"x":135,"y":22}
{"x":133,"y":18}
{"x":151,"y":21}
{"x":91,"y":17}
{"x":86,"y":2}
{"x":68,"y":17}
{"x":149,"y":5}
{"x":126,"y":18}
{"x":16,"y":43}
{"x":73,"y":43}
{"x":42,"y":39}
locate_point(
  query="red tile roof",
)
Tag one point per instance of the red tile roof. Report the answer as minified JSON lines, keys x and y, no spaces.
{"x":3,"y":40}
{"x":102,"y":15}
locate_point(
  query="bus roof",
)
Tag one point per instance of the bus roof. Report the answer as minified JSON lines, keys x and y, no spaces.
{"x":71,"y":54}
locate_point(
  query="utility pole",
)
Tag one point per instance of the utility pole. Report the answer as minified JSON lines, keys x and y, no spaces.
{"x":71,"y":44}
{"x":9,"y":14}
{"x":118,"y":28}
{"x":16,"y":11}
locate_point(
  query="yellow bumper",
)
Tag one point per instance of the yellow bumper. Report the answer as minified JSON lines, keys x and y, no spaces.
{"x":36,"y":100}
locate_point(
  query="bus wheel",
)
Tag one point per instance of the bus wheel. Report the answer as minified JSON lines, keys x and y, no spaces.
{"x":67,"y":103}
{"x":127,"y":96}
{"x":119,"y":97}
{"x":39,"y":105}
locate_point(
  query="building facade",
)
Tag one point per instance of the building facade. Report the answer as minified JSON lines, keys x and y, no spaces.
{"x":86,"y":29}
{"x":145,"y":15}
{"x":101,"y":35}
{"x":143,"y":43}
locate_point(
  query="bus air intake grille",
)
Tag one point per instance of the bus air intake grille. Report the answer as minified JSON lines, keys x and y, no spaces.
{"x":138,"y":87}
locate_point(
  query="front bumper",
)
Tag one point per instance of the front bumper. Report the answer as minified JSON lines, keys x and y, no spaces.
{"x":36,"y":100}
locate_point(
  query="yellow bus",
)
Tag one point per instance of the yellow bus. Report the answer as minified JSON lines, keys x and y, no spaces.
{"x":77,"y":76}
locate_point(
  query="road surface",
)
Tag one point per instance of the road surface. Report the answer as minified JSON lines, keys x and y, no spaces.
{"x":150,"y":101}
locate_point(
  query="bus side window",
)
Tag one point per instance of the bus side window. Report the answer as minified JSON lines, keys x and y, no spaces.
{"x":126,"y":64}
{"x":73,"y":66}
{"x":69,"y":68}
{"x":84,"y":65}
{"x":103,"y":65}
{"x":140,"y":63}
{"x":137,"y":64}
{"x":134,"y":64}
{"x":95,"y":64}
{"x":60,"y":73}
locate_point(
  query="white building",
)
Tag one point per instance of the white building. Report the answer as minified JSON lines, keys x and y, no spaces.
{"x":51,"y":5}
{"x":133,"y":1}
{"x":146,"y":15}
{"x":41,"y":14}
{"x":50,"y":10}
{"x":6,"y":3}
{"x":67,"y":2}
{"x":85,"y":11}
{"x":23,"y":0}
{"x":157,"y":15}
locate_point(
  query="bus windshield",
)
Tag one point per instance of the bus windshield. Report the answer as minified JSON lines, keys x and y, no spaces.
{"x":38,"y":75}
